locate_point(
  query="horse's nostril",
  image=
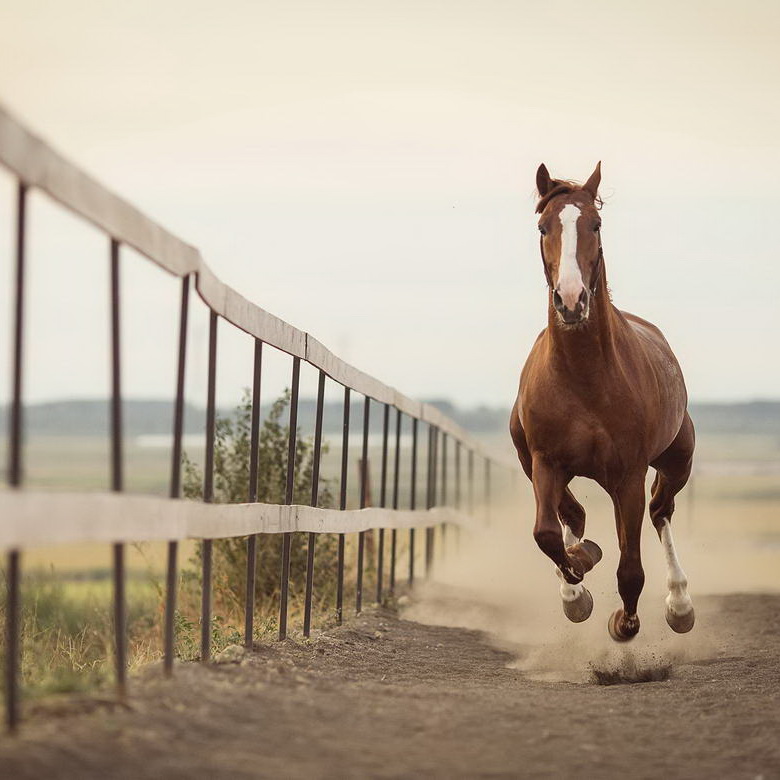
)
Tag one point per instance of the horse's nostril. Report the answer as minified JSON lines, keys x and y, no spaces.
{"x":583,"y":298}
{"x":557,"y":300}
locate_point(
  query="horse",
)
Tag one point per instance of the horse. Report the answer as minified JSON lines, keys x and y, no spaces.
{"x":601,"y":396}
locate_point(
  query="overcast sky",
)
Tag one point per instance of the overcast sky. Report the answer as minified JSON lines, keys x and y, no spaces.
{"x":365,"y":170}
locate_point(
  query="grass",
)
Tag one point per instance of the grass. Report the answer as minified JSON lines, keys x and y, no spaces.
{"x":67,"y":616}
{"x":67,"y":631}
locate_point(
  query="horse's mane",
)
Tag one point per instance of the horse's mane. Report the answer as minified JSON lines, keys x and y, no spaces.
{"x":563,"y":187}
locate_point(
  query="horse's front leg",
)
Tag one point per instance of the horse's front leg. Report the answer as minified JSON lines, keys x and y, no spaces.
{"x":572,"y":563}
{"x":629,"y":502}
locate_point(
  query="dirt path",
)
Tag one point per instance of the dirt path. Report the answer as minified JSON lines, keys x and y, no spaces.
{"x":387,"y":697}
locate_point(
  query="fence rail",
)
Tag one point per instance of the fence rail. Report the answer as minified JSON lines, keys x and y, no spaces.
{"x":118,"y":518}
{"x":106,"y":517}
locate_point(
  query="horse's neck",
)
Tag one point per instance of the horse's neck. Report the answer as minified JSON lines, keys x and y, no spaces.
{"x":590,"y":346}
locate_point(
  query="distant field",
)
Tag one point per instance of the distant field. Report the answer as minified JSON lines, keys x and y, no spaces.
{"x":736,"y":481}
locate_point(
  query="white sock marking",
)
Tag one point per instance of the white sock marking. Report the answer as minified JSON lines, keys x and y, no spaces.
{"x":570,"y":283}
{"x":678,"y":600}
{"x":569,"y":592}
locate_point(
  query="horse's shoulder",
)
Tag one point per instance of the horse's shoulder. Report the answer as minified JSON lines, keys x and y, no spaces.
{"x":642,"y":325}
{"x":542,"y":334}
{"x":646,"y":330}
{"x":534,"y":352}
{"x":660,"y":355}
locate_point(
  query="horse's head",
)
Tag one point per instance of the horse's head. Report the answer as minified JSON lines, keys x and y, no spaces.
{"x":570,"y":242}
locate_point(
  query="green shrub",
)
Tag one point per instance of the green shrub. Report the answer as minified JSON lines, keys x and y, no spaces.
{"x":231,"y":485}
{"x":67,"y":624}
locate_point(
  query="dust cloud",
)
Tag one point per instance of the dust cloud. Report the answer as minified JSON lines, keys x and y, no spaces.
{"x":495,"y":579}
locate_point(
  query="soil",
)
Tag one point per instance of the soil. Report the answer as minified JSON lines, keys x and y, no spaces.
{"x":389,"y":697}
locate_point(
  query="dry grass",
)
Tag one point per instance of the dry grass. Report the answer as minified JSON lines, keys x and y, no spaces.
{"x":67,"y":622}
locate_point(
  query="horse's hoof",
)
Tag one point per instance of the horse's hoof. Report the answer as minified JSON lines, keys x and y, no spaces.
{"x":682,"y":624}
{"x":579,"y":609}
{"x":593,"y":550}
{"x":586,"y":553}
{"x":622,"y":629}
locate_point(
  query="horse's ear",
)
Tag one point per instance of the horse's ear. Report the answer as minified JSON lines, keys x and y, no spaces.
{"x":543,"y":180}
{"x":592,"y":184}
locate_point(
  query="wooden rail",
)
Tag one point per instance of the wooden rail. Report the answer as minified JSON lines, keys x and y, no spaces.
{"x":108,"y":517}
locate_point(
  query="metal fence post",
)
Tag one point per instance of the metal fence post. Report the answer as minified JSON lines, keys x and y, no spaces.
{"x":12,"y":643}
{"x":171,"y":580}
{"x":470,"y":481}
{"x":13,"y":575}
{"x":342,"y":505}
{"x":208,"y":491}
{"x":487,"y":491}
{"x":444,"y":469}
{"x":443,"y":490}
{"x":457,"y":491}
{"x":117,"y":478}
{"x":289,"y":496}
{"x":254,"y":473}
{"x":15,"y":426}
{"x":457,"y":474}
{"x":396,"y":474}
{"x":413,"y":498}
{"x":433,"y":437}
{"x":380,"y":567}
{"x":315,"y":496}
{"x":363,"y":495}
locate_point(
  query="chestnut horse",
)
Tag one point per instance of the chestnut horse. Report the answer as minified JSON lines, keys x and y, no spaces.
{"x":601,"y":396}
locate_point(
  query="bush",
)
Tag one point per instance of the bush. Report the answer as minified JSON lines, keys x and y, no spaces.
{"x":231,"y":485}
{"x":67,"y":626}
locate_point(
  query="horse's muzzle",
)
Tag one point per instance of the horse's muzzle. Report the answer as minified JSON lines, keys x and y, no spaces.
{"x":572,"y":316}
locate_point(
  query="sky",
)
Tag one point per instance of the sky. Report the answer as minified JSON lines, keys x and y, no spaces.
{"x":365,"y":170}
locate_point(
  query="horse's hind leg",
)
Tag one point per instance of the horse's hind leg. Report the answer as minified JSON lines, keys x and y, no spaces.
{"x":673,"y":469}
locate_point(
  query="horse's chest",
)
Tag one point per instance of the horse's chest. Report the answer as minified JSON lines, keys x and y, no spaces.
{"x":579,"y":441}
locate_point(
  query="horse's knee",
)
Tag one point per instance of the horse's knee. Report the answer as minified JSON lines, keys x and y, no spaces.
{"x":548,"y":540}
{"x":662,"y":500}
{"x":659,"y":516}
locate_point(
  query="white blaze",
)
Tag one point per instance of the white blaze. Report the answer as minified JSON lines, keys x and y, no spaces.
{"x":570,"y":284}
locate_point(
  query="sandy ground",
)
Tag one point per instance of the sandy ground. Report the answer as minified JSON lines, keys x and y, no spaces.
{"x":391,"y":697}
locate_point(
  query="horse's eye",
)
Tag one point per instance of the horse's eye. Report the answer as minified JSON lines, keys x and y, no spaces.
{"x":596,"y":228}
{"x":543,"y":230}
